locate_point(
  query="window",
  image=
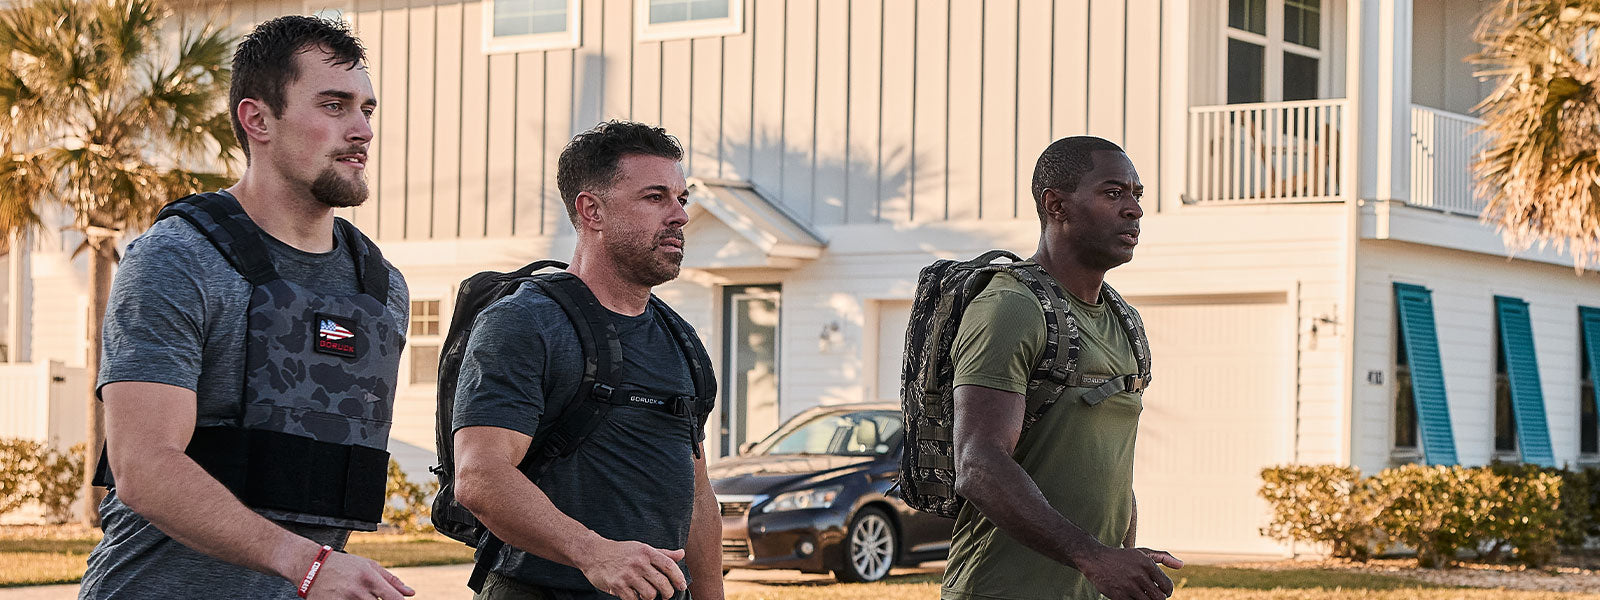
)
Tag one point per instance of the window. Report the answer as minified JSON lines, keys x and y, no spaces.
{"x":675,"y":19}
{"x":424,"y":317}
{"x":1589,"y":439}
{"x":515,"y":25}
{"x":1274,"y":50}
{"x":1405,"y":406}
{"x":1424,"y":374}
{"x":424,"y":341}
{"x":1589,"y":361}
{"x":1505,"y":425}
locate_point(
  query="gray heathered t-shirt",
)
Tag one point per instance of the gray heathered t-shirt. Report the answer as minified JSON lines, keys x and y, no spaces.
{"x":634,"y":477}
{"x":177,"y":316}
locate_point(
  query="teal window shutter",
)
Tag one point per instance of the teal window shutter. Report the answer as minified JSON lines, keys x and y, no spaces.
{"x":1427,"y":373}
{"x":1589,"y":322}
{"x":1527,"y":395}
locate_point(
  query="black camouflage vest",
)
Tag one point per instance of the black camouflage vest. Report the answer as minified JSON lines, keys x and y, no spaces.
{"x":312,"y":429}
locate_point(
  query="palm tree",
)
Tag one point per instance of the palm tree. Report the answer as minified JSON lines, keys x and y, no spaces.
{"x":1540,"y":168}
{"x":103,"y":114}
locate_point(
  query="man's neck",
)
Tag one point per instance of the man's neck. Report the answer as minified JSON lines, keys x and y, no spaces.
{"x":1079,"y":280}
{"x":286,"y":211}
{"x":604,"y":278}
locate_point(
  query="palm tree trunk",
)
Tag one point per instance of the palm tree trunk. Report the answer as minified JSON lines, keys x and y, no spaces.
{"x":102,"y":255}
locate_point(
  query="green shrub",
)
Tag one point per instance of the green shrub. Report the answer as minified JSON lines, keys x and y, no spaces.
{"x":1527,"y":514}
{"x":34,"y":472}
{"x":408,"y":508}
{"x":1321,"y":504}
{"x":1439,"y":511}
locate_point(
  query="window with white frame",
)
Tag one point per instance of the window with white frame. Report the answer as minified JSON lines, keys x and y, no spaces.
{"x":516,"y":25}
{"x":673,"y":19}
{"x":424,"y":340}
{"x":1275,"y":50}
{"x":1406,"y":427}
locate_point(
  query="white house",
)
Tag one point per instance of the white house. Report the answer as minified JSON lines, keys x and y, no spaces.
{"x":1306,"y":163}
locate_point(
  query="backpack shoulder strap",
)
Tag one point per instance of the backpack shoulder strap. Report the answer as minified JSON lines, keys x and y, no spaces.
{"x":1062,"y":342}
{"x":1133,"y":324}
{"x":220,"y":218}
{"x":705,"y":381}
{"x":371,"y":271}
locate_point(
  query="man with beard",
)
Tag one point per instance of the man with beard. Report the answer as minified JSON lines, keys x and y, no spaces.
{"x":1050,"y":513}
{"x":250,"y":351}
{"x":631,"y":513}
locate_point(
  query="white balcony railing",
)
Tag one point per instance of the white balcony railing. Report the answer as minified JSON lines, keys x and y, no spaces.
{"x":1443,"y":146}
{"x":1267,"y":152}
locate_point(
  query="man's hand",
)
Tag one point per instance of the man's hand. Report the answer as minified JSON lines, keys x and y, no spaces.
{"x":1128,"y":573}
{"x":632,"y":570}
{"x":350,"y":577}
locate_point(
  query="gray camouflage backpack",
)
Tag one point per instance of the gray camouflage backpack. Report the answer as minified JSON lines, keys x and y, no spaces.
{"x":944,"y":288}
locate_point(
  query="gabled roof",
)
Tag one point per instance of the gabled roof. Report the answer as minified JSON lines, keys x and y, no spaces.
{"x":759,"y":226}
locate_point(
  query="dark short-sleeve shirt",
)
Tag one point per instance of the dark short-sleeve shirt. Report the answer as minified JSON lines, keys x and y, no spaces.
{"x":633,"y":479}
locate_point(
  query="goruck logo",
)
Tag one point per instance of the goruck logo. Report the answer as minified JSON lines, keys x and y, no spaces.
{"x":336,"y":335}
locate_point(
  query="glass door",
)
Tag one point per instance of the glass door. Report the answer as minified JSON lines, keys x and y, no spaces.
{"x":750,"y":364}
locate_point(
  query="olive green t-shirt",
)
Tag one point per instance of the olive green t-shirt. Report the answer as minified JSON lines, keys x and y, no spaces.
{"x":1081,"y":456}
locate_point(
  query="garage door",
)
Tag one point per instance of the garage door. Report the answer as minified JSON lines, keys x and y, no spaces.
{"x":1219,"y":409}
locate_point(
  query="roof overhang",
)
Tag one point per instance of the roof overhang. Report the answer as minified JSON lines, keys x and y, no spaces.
{"x":745,"y":229}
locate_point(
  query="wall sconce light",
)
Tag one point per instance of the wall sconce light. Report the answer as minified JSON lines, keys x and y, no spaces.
{"x":832,"y":334}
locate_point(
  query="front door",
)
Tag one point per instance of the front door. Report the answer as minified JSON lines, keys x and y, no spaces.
{"x":749,"y":363}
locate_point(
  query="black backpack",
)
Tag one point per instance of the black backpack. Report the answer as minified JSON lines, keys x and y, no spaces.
{"x":602,"y":354}
{"x":944,"y":288}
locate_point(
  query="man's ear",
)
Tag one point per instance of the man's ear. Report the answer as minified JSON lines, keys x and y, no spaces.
{"x":253,"y":118}
{"x":589,"y":210}
{"x":1055,"y":205}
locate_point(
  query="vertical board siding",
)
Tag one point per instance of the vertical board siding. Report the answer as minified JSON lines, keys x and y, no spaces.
{"x":862,"y":168}
{"x":846,"y":111}
{"x":500,"y":180}
{"x":421,"y":53}
{"x":531,"y":178}
{"x":389,"y":57}
{"x":998,"y":111}
{"x":897,"y":111}
{"x":831,"y":154}
{"x":930,"y":132}
{"x":965,"y":119}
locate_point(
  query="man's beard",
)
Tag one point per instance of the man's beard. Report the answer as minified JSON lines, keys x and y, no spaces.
{"x":639,"y":262}
{"x":338,"y":192}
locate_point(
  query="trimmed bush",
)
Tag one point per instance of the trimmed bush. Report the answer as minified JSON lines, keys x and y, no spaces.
{"x":409,"y":504}
{"x":33,"y":472}
{"x":1321,"y":504}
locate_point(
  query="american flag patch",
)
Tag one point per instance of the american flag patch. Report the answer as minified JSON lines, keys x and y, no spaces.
{"x":333,"y":331}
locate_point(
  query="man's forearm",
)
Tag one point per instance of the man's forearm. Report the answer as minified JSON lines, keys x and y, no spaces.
{"x":520,"y":514}
{"x":704,"y":552}
{"x":1007,"y":496}
{"x":175,"y":494}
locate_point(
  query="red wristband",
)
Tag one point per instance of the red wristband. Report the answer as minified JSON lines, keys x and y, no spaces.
{"x":311,"y":574}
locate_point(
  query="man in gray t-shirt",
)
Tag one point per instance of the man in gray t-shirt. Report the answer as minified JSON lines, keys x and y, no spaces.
{"x":180,"y":324}
{"x":631,"y":513}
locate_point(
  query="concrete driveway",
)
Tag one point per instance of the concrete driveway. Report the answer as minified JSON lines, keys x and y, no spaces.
{"x":449,"y":582}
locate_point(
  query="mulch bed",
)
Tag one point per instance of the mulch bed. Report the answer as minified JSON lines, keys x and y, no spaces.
{"x":1568,"y":574}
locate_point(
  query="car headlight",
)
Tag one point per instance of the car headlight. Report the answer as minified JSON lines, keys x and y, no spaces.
{"x":821,"y":497}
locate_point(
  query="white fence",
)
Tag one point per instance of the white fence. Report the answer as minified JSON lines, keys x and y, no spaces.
{"x":1443,"y":146}
{"x":46,"y":402}
{"x":1267,"y":152}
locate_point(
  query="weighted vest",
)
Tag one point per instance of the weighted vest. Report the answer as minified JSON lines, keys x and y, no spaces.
{"x":312,"y":428}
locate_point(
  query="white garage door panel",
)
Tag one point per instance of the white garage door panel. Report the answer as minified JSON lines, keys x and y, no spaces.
{"x":1216,"y":413}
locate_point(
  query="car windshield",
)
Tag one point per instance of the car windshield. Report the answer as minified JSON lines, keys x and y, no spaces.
{"x":860,"y":433}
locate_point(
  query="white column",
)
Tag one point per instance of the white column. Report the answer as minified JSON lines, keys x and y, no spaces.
{"x":18,"y":286}
{"x":1380,"y":93}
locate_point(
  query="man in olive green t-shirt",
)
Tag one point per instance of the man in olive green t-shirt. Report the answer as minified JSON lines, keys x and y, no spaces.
{"x":1051,"y":515}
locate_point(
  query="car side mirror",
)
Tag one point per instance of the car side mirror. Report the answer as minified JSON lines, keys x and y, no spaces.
{"x":745,"y":448}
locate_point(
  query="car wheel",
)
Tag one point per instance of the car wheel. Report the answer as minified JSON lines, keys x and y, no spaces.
{"x":869,"y":547}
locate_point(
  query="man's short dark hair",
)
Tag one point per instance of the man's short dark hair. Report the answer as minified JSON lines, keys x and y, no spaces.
{"x":264,"y":65}
{"x":1064,"y":163}
{"x":590,"y":161}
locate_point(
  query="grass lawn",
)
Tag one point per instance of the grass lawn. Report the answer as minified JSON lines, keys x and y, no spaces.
{"x":1196,"y":582}
{"x":36,"y":561}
